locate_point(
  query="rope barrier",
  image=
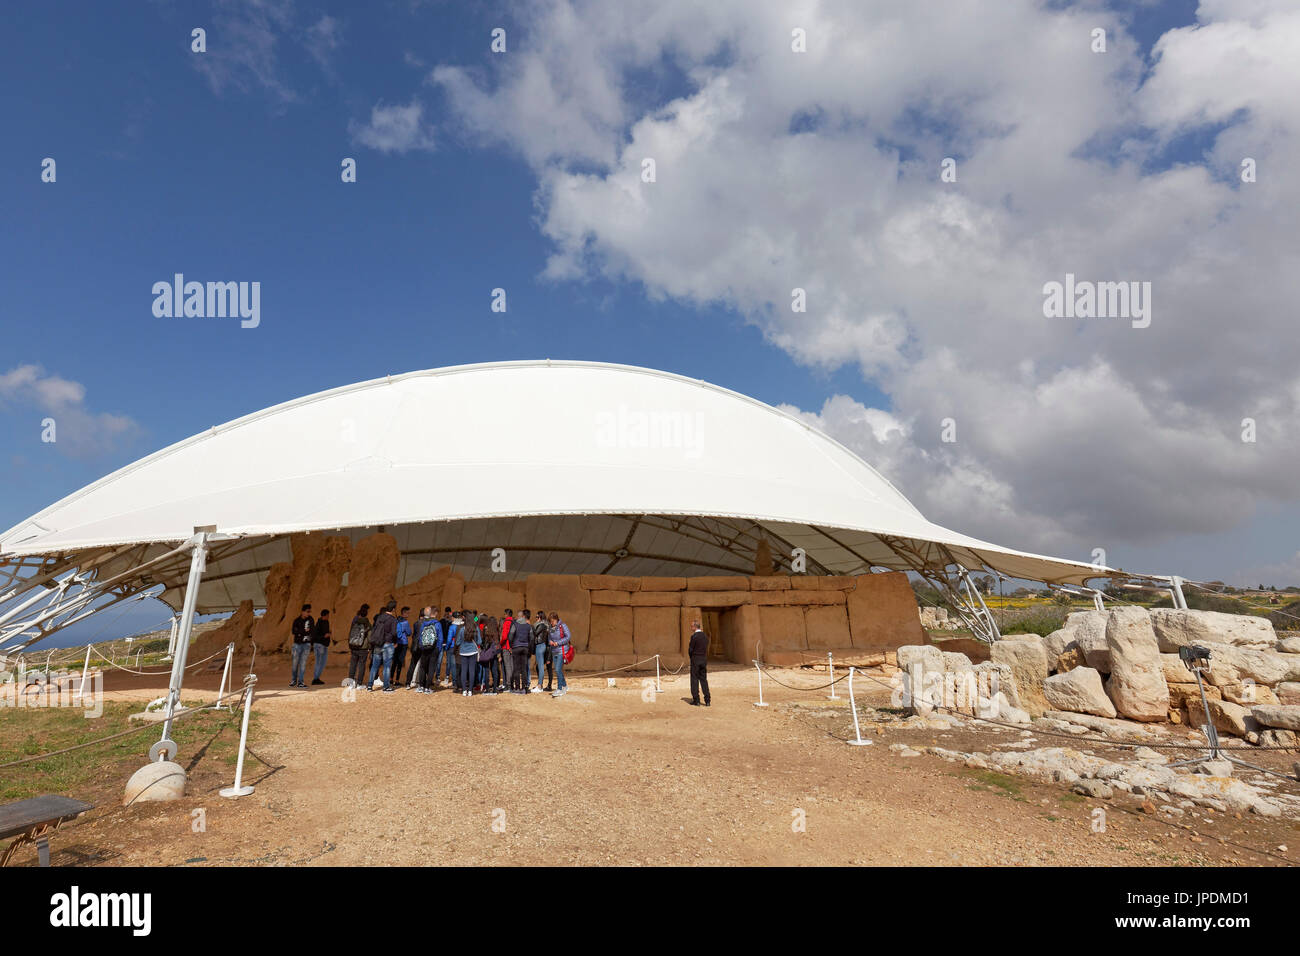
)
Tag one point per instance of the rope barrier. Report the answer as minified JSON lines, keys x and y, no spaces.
{"x":166,"y":670}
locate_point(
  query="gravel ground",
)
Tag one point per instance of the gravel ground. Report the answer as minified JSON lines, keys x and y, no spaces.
{"x":605,"y":776}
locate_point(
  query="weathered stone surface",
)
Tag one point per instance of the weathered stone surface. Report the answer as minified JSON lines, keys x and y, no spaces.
{"x":1070,"y":659}
{"x":773,"y":582}
{"x":688,"y":614}
{"x":1179,"y":694}
{"x":493,"y":599}
{"x":1175,"y":673}
{"x":419,"y":594}
{"x":1078,"y":691}
{"x":1280,"y":716}
{"x":1137,"y":680}
{"x":745,"y":633}
{"x":655,"y":630}
{"x":1089,"y":630}
{"x":1175,"y":628}
{"x":1288,"y":645}
{"x":929,"y":658}
{"x":1028,"y":663}
{"x":609,"y":582}
{"x":663,"y":584}
{"x":1248,"y":695}
{"x":1228,"y":718}
{"x":882,"y":611}
{"x":1230,"y":664}
{"x":159,"y":781}
{"x":1058,"y":642}
{"x":656,"y":599}
{"x":611,"y":630}
{"x":810,"y":582}
{"x":713,"y":599}
{"x":782,"y":628}
{"x":612,"y":597}
{"x":237,"y":628}
{"x":717,"y":584}
{"x":827,"y":627}
{"x":953,"y":661}
{"x":1275,"y":737}
{"x":1288,"y":692}
{"x":565,"y":595}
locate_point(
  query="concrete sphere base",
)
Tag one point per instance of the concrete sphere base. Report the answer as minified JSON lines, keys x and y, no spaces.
{"x":162,"y":780}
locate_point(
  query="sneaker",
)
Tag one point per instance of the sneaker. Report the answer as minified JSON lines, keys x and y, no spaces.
{"x":695,"y":703}
{"x":389,"y":690}
{"x":535,"y":690}
{"x":318,"y":681}
{"x":708,"y":703}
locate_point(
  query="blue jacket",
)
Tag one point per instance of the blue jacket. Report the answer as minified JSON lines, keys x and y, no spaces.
{"x":560,"y":634}
{"x":403,"y":631}
{"x":468,"y":641}
{"x":451,"y":634}
{"x":425,"y":624}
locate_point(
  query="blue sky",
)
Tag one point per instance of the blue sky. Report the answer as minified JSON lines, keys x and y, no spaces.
{"x":228,"y":169}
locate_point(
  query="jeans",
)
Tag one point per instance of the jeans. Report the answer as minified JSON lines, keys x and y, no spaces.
{"x":557,"y":657}
{"x":449,"y":655}
{"x":399,"y":658}
{"x":428,"y":666}
{"x":385,"y":655}
{"x":699,"y":677}
{"x":357,"y":664}
{"x":521,"y":669}
{"x":299,"y":673}
{"x":466,"y":665}
{"x":540,"y":653}
{"x":507,"y":661}
{"x":490,"y":673}
{"x":319,"y":652}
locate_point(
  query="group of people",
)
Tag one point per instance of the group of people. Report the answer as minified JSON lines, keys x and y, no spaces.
{"x":472,"y":652}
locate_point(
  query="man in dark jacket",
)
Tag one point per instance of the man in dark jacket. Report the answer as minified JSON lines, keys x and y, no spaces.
{"x":542,"y":651}
{"x":383,"y":638}
{"x":320,"y":644}
{"x":521,"y":649}
{"x":698,"y":652}
{"x":302,"y":628}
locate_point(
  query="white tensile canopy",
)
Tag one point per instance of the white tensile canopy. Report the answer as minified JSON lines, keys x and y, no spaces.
{"x":570,"y":467}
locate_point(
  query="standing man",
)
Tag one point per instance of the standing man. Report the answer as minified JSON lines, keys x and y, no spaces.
{"x":383,"y":638}
{"x":698,"y":652}
{"x":399,"y":651}
{"x":320,"y":644}
{"x":559,"y":640}
{"x":302,"y":628}
{"x":450,"y":629}
{"x":358,"y":644}
{"x":521,"y":649}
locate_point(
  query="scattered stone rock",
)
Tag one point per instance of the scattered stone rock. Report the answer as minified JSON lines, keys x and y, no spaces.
{"x":1229,"y":718}
{"x":1175,"y":628}
{"x":1093,"y":788}
{"x":1028,"y":663}
{"x":1249,"y":694}
{"x":1080,"y":691}
{"x":1288,"y":692}
{"x":1215,"y":768}
{"x":1069,"y":659}
{"x":1285,"y":739}
{"x":1137,"y":681}
{"x":953,"y":661}
{"x":1281,"y":716}
{"x":1288,"y":645}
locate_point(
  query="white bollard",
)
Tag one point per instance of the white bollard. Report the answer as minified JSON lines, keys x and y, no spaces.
{"x":658,"y":689}
{"x":225,"y":674}
{"x":239,"y":790}
{"x":830,"y":667}
{"x":759,"y":668}
{"x":853,"y":706}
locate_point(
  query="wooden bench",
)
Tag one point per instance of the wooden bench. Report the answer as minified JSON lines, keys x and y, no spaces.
{"x":32,"y":821}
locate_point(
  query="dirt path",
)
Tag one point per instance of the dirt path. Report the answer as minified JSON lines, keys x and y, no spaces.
{"x":605,"y":777}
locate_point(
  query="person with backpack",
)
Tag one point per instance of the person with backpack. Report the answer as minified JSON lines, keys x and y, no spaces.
{"x":489,"y":658}
{"x":301,"y":630}
{"x":428,"y":641}
{"x":320,"y":644}
{"x":521,"y":649}
{"x":468,"y":645}
{"x":542,"y":651}
{"x":400,"y":647}
{"x":560,"y":642}
{"x":452,"y":625}
{"x":358,"y":645}
{"x":383,"y":638}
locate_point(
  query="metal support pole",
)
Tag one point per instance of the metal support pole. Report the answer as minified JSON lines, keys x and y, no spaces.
{"x":1096,"y":601}
{"x":830,"y":668}
{"x":658,"y":689}
{"x":171,"y":641}
{"x":853,"y":706}
{"x":759,"y":668}
{"x":81,"y":692}
{"x":239,"y":790}
{"x":225,"y":675}
{"x":1176,"y":583}
{"x":198,"y":561}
